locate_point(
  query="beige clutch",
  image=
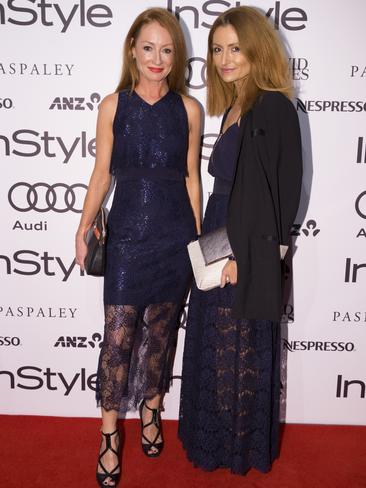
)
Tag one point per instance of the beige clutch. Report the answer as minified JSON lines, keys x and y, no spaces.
{"x":208,"y":256}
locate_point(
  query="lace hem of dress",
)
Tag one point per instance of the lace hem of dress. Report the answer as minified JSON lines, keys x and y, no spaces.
{"x":137,"y":354}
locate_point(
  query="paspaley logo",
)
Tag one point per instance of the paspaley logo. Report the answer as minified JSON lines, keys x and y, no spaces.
{"x":35,"y":378}
{"x":347,"y":317}
{"x":292,"y":19}
{"x":76,"y":103}
{"x":36,"y":69}
{"x":31,"y":312}
{"x":79,"y":342}
{"x":324,"y":346}
{"x":358,"y":71}
{"x":27,"y":262}
{"x":50,"y":14}
{"x":9,"y":341}
{"x":28,"y":143}
{"x":45,"y":197}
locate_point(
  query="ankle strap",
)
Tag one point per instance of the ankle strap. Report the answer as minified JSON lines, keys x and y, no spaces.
{"x":109,"y":434}
{"x":149,"y":408}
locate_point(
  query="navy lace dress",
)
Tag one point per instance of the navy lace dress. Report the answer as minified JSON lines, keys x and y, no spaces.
{"x":229,"y":413}
{"x":147,"y":265}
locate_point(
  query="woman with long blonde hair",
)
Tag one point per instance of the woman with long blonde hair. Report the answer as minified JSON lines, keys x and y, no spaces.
{"x":148,"y":135}
{"x":229,"y":415}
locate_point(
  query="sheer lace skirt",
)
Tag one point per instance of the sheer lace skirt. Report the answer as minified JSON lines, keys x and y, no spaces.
{"x":229,"y":413}
{"x":137,"y":354}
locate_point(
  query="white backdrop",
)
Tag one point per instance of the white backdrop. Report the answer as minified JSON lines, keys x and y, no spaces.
{"x":56,"y":62}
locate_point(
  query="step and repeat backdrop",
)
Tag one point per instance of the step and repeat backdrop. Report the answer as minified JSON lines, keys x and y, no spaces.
{"x":57,"y":61}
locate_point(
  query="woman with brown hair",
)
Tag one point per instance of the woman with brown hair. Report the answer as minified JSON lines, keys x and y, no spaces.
{"x":148,"y":135}
{"x":229,"y":414}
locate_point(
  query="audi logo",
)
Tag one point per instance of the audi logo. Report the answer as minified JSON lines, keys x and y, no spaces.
{"x":196,"y":76}
{"x":42,"y":197}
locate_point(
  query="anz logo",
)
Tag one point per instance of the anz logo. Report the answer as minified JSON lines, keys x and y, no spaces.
{"x":79,"y":342}
{"x":76,"y":103}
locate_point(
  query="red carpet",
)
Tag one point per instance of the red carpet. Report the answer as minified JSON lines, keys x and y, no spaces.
{"x":46,"y":452}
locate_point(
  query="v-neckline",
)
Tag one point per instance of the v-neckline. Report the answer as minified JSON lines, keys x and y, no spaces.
{"x":228,"y":128}
{"x":151,"y":104}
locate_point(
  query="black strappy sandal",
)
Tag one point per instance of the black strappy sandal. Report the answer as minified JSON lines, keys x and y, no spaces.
{"x":112,"y":475}
{"x":154,"y":421}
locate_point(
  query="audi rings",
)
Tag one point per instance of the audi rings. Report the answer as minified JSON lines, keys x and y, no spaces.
{"x":191,"y":75}
{"x":31,"y":196}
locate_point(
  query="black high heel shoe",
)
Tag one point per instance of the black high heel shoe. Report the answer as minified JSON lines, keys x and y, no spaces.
{"x":112,"y":475}
{"x":158,"y":446}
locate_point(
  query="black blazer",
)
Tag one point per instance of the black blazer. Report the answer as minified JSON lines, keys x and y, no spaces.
{"x":263,"y":203}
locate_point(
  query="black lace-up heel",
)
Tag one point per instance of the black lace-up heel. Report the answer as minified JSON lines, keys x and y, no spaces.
{"x":157,"y":446}
{"x":112,"y":475}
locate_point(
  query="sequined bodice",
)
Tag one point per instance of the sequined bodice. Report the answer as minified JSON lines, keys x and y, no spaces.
{"x":150,"y":137}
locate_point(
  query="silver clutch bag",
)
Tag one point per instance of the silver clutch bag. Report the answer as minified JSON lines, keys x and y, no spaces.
{"x":208,"y":256}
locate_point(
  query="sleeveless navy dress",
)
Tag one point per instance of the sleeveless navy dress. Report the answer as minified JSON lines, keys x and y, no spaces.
{"x":229,"y":411}
{"x":147,"y":265}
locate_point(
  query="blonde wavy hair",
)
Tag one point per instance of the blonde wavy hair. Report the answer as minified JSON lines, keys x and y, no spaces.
{"x":265,"y":52}
{"x":130,"y":75}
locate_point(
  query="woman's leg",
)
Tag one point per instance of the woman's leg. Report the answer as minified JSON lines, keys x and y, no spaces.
{"x":161,"y":321}
{"x":114,"y":366}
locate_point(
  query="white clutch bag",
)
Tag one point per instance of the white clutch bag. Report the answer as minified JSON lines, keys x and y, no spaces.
{"x":208,"y":256}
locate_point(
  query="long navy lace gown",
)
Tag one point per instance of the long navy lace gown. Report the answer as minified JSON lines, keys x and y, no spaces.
{"x":147,"y":265}
{"x":229,"y":414}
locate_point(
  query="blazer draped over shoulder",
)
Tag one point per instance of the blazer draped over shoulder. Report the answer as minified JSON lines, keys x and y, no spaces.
{"x":264,"y":202}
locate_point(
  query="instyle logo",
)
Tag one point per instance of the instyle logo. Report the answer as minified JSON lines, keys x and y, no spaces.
{"x":43,"y":197}
{"x":50,"y":14}
{"x":79,"y":342}
{"x":323,"y":346}
{"x":343,"y":388}
{"x":358,"y":71}
{"x":346,"y":318}
{"x":36,"y":69}
{"x":292,"y":19}
{"x":76,"y":103}
{"x":352,"y":274}
{"x":299,"y":69}
{"x":35,"y":378}
{"x":6,"y":103}
{"x":30,"y":263}
{"x":9,"y":341}
{"x":361,"y":151}
{"x":28,"y":143}
{"x":307,"y":106}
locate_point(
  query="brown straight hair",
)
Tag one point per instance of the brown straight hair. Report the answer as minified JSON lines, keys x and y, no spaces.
{"x":265,"y":52}
{"x":130,"y":74}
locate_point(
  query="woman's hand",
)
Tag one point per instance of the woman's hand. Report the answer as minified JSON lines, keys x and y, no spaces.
{"x":229,"y":274}
{"x":81,"y":249}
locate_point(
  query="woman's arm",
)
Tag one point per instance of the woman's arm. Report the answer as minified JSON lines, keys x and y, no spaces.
{"x":100,"y":179}
{"x":193,"y":181}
